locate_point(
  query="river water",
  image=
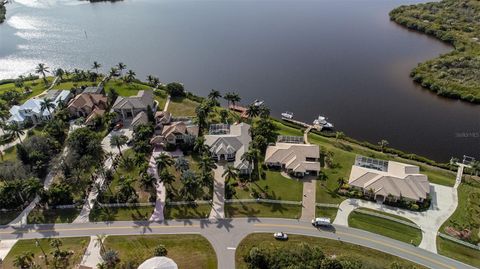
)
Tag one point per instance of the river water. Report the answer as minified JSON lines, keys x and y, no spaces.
{"x":339,"y":58}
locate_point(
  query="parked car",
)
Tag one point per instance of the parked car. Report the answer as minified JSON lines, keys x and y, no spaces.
{"x":321,"y":222}
{"x":280,"y":236}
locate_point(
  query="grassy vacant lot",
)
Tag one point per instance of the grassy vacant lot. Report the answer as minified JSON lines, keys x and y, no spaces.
{"x":263,"y":210}
{"x":64,"y":215}
{"x":37,"y":86}
{"x":120,"y":213}
{"x":125,"y":89}
{"x":182,"y":107}
{"x":370,"y":258}
{"x":343,"y":158}
{"x":385,"y":227}
{"x":458,"y":252}
{"x":328,"y":212}
{"x":75,"y":244}
{"x":275,"y":185}
{"x":188,"y":251}
{"x":187,"y":211}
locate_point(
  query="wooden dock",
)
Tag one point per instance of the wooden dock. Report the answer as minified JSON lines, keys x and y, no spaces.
{"x":304,"y":124}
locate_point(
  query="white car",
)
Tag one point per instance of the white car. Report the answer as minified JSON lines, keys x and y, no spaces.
{"x":321,"y":222}
{"x":280,"y":236}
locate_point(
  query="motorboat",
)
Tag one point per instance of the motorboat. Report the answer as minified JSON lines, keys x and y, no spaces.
{"x":258,"y":102}
{"x":287,"y":115}
{"x":322,"y":121}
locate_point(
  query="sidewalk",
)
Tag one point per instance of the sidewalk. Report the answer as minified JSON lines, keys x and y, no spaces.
{"x":92,"y":256}
{"x":308,"y":199}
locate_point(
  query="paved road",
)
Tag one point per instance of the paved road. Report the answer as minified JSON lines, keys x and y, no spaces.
{"x":226,"y":234}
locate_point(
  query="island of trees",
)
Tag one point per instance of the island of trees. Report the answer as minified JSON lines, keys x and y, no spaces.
{"x":3,"y":10}
{"x":455,"y":74}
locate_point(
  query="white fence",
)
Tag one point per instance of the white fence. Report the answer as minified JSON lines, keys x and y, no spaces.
{"x":365,"y":212}
{"x":456,"y":240}
{"x":231,"y":201}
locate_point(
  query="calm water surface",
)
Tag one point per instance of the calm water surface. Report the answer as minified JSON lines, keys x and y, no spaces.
{"x":340,"y":58}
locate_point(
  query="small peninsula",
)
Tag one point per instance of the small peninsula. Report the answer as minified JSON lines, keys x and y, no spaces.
{"x":454,"y":74}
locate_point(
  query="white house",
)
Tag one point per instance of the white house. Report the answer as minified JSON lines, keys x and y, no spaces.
{"x":31,"y":110}
{"x":229,"y":144}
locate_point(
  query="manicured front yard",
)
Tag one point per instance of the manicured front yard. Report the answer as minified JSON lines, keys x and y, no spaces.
{"x":370,"y":258}
{"x":140,"y":213}
{"x":275,"y":185}
{"x":458,"y":252}
{"x":59,"y":215}
{"x":268,"y":210}
{"x":77,"y":245}
{"x":385,"y":227}
{"x":187,"y":250}
{"x":327,"y":212}
{"x":187,"y":211}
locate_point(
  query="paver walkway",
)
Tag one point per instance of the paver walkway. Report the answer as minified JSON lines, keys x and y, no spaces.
{"x":218,"y":207}
{"x":165,"y":108}
{"x":444,"y":203}
{"x":92,"y":256}
{"x":308,"y":200}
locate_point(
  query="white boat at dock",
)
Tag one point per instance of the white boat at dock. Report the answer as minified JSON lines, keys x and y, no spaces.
{"x":287,"y":115}
{"x":322,"y":121}
{"x":258,"y":102}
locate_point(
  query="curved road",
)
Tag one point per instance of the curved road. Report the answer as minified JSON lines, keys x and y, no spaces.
{"x":226,"y":234}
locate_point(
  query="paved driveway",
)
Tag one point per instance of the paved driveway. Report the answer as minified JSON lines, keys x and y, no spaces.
{"x":106,"y":140}
{"x":444,"y":203}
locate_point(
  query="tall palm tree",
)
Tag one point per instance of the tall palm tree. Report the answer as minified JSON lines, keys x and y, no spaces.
{"x":230,"y":173}
{"x":43,"y":70}
{"x":156,"y":82}
{"x":202,"y":115}
{"x":113,"y":72}
{"x":228,"y":97}
{"x":235,"y":98}
{"x":264,"y":112}
{"x":383,"y":144}
{"x":147,"y":181}
{"x":199,"y":145}
{"x":207,"y":164}
{"x":214,"y":95}
{"x":339,"y":135}
{"x":130,"y":76}
{"x":96,"y":65}
{"x":55,"y":243}
{"x":252,"y":111}
{"x":121,"y":66}
{"x":99,"y":242}
{"x":111,"y":258}
{"x":181,"y":164}
{"x":47,"y":104}
{"x":16,"y":130}
{"x":163,"y":161}
{"x":150,"y":79}
{"x":118,"y":141}
{"x":59,"y":72}
{"x":166,"y":178}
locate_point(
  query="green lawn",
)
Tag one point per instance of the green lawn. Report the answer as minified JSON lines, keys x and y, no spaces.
{"x":140,"y":213}
{"x":9,"y":154}
{"x":182,"y":107}
{"x":187,"y":211}
{"x":7,"y":216}
{"x":125,"y":89}
{"x":64,"y":215}
{"x":327,"y":212}
{"x":75,"y":244}
{"x":275,"y":185}
{"x":458,"y":252}
{"x":372,"y":259}
{"x":263,"y":210}
{"x":187,"y":250}
{"x":385,"y":227}
{"x":37,"y":87}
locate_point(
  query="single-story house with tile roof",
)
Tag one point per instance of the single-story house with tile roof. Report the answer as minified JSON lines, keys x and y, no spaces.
{"x":389,"y":180}
{"x":128,"y":107}
{"x":229,"y":146}
{"x":31,"y":110}
{"x":85,"y":103}
{"x":294,"y":158}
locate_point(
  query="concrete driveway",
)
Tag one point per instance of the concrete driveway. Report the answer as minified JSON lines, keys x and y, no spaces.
{"x":444,"y":203}
{"x":106,"y":140}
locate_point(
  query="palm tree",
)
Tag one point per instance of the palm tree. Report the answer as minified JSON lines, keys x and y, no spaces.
{"x":24,"y":260}
{"x":59,"y":72}
{"x":96,"y":65}
{"x":111,"y":258}
{"x":147,"y":181}
{"x":121,"y":66}
{"x":383,"y":144}
{"x":43,"y":70}
{"x":339,"y":135}
{"x":15,"y":130}
{"x":475,"y":167}
{"x":214,"y":95}
{"x":252,"y":111}
{"x":55,"y":243}
{"x":181,"y":164}
{"x":166,"y":178}
{"x":264,"y":112}
{"x":118,"y":141}
{"x":199,"y":145}
{"x":223,"y":115}
{"x":156,"y":82}
{"x":235,"y":98}
{"x":130,"y":76}
{"x":207,"y":164}
{"x":202,"y":115}
{"x":163,"y":161}
{"x":47,"y":104}
{"x":150,"y":80}
{"x":99,"y":242}
{"x":230,"y":173}
{"x":113,"y":72}
{"x":228,"y":97}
